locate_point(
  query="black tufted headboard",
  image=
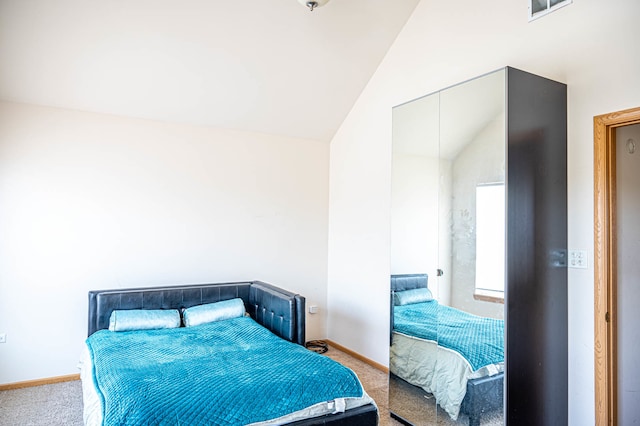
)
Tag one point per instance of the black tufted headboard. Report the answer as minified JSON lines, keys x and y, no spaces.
{"x":279,"y":310}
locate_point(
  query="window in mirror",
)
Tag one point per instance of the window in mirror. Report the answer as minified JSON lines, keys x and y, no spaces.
{"x":490,"y":242}
{"x":539,"y":8}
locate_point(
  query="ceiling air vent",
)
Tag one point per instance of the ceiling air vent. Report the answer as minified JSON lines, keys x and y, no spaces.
{"x":538,"y":8}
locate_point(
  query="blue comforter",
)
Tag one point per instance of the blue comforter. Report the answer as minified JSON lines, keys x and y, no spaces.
{"x":231,"y":372}
{"x":479,"y":340}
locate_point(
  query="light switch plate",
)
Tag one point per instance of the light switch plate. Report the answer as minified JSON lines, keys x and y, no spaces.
{"x":578,"y":259}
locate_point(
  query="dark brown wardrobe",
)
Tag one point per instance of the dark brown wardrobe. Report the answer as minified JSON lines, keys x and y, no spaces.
{"x":536,"y":301}
{"x":520,"y":143}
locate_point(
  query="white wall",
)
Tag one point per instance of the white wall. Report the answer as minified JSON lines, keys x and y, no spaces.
{"x":90,"y":201}
{"x":414,"y":222}
{"x":420,"y":206}
{"x":590,"y":45}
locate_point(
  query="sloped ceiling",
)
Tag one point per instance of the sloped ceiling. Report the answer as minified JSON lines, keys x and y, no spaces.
{"x":267,"y":66}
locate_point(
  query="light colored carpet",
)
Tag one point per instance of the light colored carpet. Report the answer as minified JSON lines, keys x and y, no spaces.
{"x":374,"y":381}
{"x":58,"y":404}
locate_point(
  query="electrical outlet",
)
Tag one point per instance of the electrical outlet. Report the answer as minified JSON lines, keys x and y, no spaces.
{"x":578,"y":259}
{"x":3,"y":338}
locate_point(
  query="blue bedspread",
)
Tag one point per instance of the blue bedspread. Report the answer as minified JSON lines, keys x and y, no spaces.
{"x":479,"y":340}
{"x":231,"y":372}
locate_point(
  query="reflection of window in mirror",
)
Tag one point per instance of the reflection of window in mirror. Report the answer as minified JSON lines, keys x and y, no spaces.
{"x":490,"y":241}
{"x":539,"y":8}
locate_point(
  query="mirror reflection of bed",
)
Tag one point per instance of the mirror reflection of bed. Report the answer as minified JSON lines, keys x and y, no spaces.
{"x":447,"y":256}
{"x":445,"y":355}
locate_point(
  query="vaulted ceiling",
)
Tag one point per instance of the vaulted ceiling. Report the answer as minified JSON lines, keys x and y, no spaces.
{"x":267,"y":66}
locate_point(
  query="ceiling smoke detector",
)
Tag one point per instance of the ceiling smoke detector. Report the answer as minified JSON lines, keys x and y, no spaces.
{"x":313,"y":4}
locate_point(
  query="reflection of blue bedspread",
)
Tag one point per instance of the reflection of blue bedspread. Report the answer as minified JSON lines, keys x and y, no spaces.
{"x":231,"y":372}
{"x":479,"y":340}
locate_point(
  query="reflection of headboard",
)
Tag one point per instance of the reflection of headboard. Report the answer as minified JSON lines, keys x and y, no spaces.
{"x":279,"y":310}
{"x":401,"y":282}
{"x":408,"y":281}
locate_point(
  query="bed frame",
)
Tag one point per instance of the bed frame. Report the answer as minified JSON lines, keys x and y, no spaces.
{"x":483,"y":395}
{"x":278,"y":310}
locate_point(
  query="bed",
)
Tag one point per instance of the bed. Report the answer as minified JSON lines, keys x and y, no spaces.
{"x":235,"y":355}
{"x":465,"y":375}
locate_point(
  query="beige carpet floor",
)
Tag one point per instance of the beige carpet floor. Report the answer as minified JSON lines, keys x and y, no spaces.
{"x":58,"y":404}
{"x":375,"y":382}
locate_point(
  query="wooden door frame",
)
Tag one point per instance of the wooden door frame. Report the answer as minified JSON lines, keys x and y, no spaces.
{"x":605,"y":262}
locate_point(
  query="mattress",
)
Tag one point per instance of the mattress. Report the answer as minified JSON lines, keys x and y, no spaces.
{"x":234,"y":372}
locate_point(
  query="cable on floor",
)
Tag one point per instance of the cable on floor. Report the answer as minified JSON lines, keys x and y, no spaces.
{"x":318,"y":346}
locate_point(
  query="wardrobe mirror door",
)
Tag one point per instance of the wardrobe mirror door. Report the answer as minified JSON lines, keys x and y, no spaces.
{"x":414,"y":251}
{"x":472,"y":256}
{"x":447,"y":242}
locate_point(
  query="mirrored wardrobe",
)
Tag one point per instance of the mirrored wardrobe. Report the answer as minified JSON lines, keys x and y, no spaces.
{"x":478,"y":254}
